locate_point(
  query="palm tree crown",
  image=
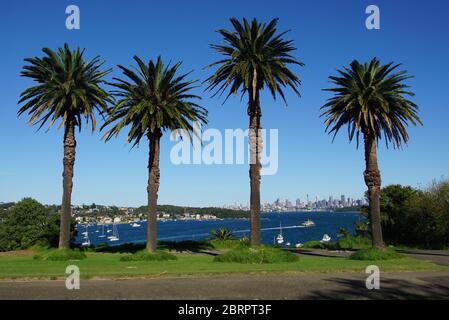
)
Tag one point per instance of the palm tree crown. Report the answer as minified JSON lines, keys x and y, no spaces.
{"x":254,"y":49}
{"x":68,"y":88}
{"x":371,"y":98}
{"x":152,"y":100}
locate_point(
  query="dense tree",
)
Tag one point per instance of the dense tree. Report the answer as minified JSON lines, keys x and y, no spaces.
{"x":27,"y":223}
{"x":371,"y":99}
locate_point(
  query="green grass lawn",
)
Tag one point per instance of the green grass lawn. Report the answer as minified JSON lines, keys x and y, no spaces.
{"x":108,"y":265}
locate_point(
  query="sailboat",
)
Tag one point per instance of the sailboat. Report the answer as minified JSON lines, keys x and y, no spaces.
{"x":326,"y":238}
{"x":280,"y":237}
{"x":102,"y":235}
{"x":86,"y":241}
{"x":114,"y":236}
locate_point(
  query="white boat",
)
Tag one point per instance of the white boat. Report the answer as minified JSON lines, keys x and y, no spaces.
{"x":86,"y":241}
{"x":135,"y":225}
{"x":326,"y":238}
{"x":115,"y":236}
{"x":308,"y":223}
{"x":102,"y":235}
{"x":280,"y":237}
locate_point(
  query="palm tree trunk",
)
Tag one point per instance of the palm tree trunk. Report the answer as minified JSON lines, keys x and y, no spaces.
{"x":373,"y":182}
{"x":254,"y":113}
{"x":153,"y":187}
{"x":67,"y":175}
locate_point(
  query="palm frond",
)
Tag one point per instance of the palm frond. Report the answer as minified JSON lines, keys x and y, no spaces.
{"x":68,"y":88}
{"x":371,"y":98}
{"x":152,"y":99}
{"x":253,"y":46}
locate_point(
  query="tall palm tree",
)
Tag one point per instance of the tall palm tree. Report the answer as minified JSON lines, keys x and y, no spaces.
{"x":68,"y":89}
{"x":255,"y":57}
{"x":151,"y":101}
{"x":371,"y":99}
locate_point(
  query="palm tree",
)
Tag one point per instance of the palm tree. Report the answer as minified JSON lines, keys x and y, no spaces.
{"x":68,"y":89}
{"x":151,"y":101}
{"x":255,"y":57}
{"x":371,"y":99}
{"x":223,"y":234}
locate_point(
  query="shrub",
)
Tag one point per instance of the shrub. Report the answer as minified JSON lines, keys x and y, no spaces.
{"x":144,"y":255}
{"x":374,"y":254}
{"x":60,"y":255}
{"x":261,"y":254}
{"x":354,"y":243}
{"x":227,"y":244}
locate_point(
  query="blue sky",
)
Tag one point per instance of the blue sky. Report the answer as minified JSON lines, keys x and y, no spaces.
{"x":328,"y":35}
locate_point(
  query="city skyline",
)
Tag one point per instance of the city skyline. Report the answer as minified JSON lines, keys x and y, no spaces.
{"x":218,"y":205}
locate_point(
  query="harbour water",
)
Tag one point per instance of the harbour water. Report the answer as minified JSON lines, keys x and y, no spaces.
{"x":292,"y":230}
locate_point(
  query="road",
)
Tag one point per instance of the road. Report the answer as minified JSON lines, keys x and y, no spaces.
{"x":405,"y":285}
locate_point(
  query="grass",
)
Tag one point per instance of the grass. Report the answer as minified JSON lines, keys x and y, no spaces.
{"x":373,"y":254}
{"x":354,"y":243}
{"x":59,"y":255}
{"x":108,"y":265}
{"x":258,"y":255}
{"x":144,"y":255}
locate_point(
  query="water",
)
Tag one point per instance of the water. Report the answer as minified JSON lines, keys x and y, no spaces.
{"x":325,"y":223}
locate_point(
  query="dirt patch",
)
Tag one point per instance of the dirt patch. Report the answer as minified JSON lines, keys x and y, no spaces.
{"x":17,"y":253}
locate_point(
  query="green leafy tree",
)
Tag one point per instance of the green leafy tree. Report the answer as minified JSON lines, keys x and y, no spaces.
{"x":371,"y":99}
{"x":394,"y":208}
{"x":28,"y":223}
{"x":255,"y":57}
{"x":67,"y":89}
{"x":151,"y":101}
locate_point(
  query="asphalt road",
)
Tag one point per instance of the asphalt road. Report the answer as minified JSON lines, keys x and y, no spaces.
{"x":405,"y":285}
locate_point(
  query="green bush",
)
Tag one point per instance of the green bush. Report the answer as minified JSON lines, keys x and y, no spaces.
{"x":374,"y":254}
{"x":60,"y":255}
{"x":144,"y":255}
{"x":354,"y":243}
{"x":261,"y":254}
{"x":228,"y":244}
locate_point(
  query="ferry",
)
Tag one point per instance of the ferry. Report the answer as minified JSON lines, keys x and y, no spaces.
{"x":308,"y":223}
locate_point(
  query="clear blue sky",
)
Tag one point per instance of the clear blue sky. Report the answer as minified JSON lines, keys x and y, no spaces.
{"x":328,"y":35}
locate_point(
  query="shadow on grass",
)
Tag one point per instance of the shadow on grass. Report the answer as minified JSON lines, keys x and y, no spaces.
{"x":180,"y":247}
{"x":187,"y":246}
